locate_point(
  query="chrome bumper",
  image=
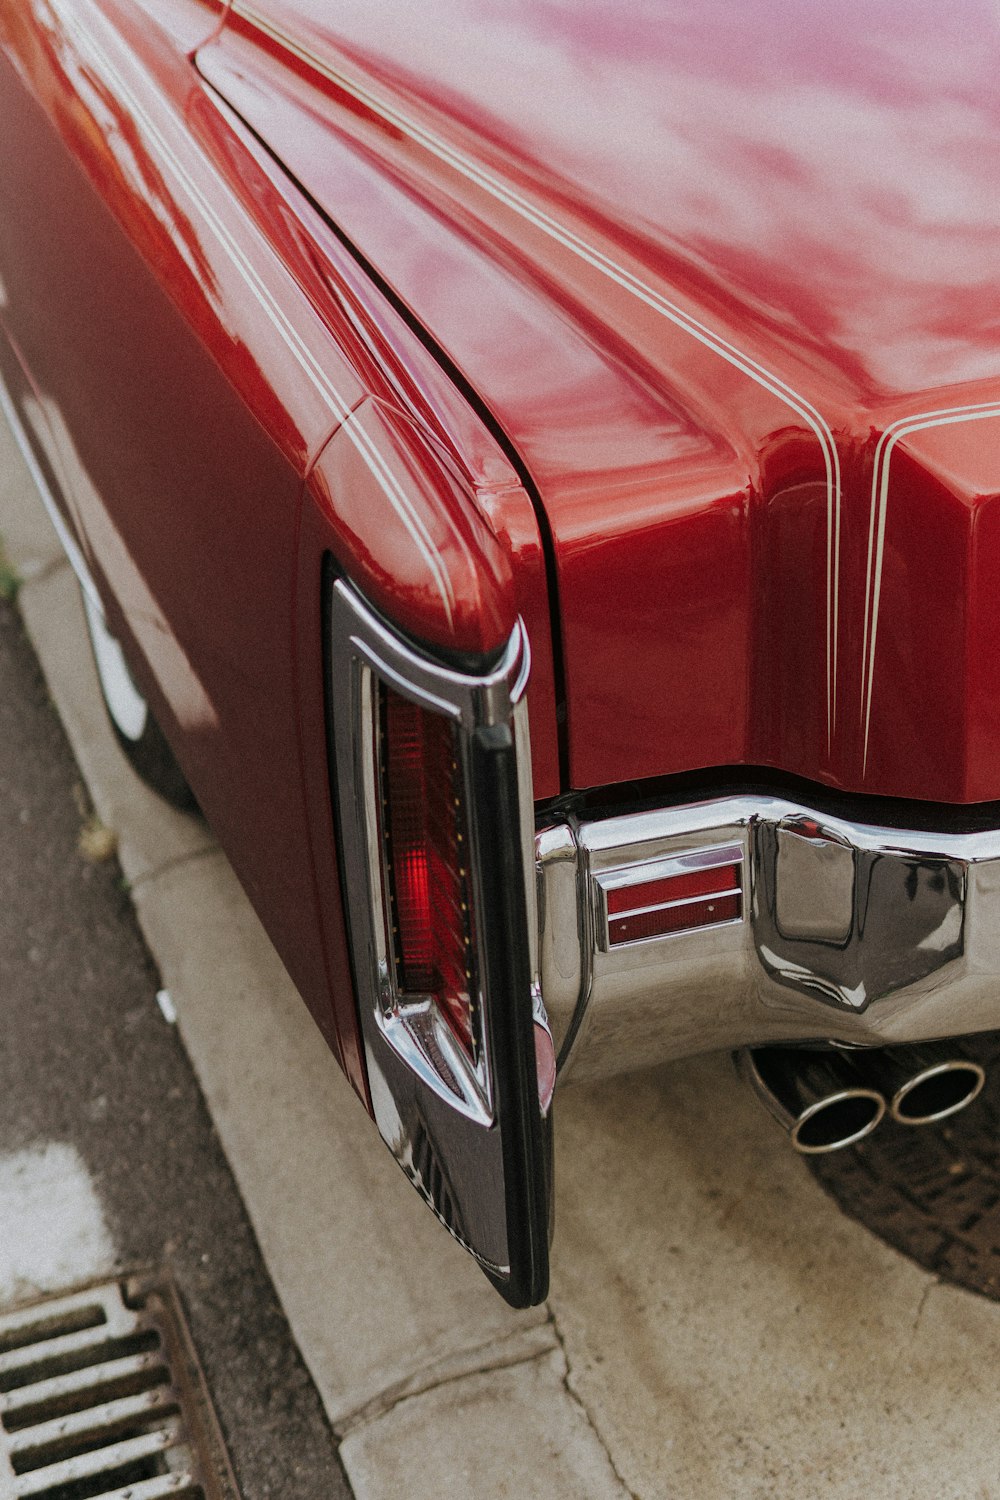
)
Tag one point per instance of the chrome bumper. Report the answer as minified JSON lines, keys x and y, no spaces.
{"x":753,"y":919}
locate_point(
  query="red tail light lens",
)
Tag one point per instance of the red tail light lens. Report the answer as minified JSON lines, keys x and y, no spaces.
{"x":426,"y":861}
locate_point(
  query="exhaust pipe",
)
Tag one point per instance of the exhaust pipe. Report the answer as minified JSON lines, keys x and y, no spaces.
{"x":817,"y":1097}
{"x":923,"y":1084}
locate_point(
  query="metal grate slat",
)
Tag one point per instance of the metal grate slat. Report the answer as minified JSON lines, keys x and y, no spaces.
{"x":105,"y":1420}
{"x":17,"y":1365}
{"x":62,"y":1314}
{"x":107,"y":1460}
{"x":160,"y":1488}
{"x":102,"y":1398}
{"x":60,"y":1389}
{"x":31,"y":1327}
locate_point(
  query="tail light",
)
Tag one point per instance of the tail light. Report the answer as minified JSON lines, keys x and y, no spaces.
{"x":432,"y":780}
{"x":426,"y":862}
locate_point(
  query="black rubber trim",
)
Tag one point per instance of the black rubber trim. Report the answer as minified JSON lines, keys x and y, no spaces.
{"x":728,"y":781}
{"x":503,"y":934}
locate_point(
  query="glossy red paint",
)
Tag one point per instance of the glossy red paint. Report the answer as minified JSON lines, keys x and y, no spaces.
{"x":455,"y":568}
{"x":183,"y":475}
{"x":640,"y":312}
{"x":185,"y":468}
{"x":695,"y":264}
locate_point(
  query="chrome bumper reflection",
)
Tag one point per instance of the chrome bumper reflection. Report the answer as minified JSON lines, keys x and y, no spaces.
{"x":749,"y":920}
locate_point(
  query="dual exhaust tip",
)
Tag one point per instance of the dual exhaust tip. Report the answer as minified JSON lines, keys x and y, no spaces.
{"x":827,"y":1100}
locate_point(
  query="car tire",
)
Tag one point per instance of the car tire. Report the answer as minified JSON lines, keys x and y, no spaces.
{"x":136,"y":730}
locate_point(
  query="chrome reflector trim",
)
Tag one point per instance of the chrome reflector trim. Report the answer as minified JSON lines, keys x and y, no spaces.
{"x":712,"y":906}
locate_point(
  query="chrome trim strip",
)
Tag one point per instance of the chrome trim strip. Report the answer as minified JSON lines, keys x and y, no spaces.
{"x":644,"y":911}
{"x":67,"y":541}
{"x":562,"y":942}
{"x":850,"y":932}
{"x":715,"y":857}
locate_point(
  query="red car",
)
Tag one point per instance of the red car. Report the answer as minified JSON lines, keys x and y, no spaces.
{"x":539,"y":462}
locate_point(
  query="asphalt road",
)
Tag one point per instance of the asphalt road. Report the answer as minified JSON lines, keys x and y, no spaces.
{"x":90,"y":1071}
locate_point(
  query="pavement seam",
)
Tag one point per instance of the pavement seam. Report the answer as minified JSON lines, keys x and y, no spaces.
{"x":579,"y":1402}
{"x":475,"y":1361}
{"x":34,"y":574}
{"x":922,"y":1304}
{"x":175,"y":862}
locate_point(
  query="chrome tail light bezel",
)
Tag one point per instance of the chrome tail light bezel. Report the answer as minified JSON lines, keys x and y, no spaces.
{"x":474,"y":1118}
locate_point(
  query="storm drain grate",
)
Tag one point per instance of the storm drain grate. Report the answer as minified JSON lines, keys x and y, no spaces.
{"x":101,"y":1396}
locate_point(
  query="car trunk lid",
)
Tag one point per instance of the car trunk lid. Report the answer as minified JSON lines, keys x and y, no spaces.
{"x":695,"y":269}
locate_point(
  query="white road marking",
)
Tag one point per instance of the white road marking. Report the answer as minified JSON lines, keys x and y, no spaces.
{"x":52,"y":1229}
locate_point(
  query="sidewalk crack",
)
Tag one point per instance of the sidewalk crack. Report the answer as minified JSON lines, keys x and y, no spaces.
{"x":523,"y":1347}
{"x":921,"y":1305}
{"x":139,"y":882}
{"x":578,"y":1400}
{"x":32,"y":574}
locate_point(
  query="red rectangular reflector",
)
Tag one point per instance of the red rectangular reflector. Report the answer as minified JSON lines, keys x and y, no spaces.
{"x":680,"y":887}
{"x":667,"y":919}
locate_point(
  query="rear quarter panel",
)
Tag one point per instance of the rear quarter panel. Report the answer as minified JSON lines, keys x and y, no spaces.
{"x":189,"y":338}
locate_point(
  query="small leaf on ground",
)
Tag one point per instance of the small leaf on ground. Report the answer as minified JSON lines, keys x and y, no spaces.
{"x":10,"y":580}
{"x":96,"y":842}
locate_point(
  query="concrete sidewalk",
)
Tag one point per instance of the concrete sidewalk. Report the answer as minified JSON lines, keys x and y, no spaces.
{"x":716,"y":1327}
